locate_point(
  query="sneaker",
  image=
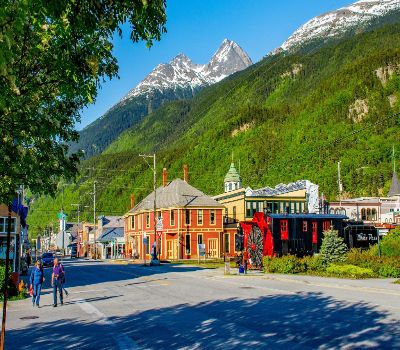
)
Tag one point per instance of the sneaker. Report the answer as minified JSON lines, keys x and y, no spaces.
{"x":54,"y":305}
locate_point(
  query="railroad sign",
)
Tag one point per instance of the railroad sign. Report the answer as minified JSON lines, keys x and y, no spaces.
{"x":159,"y":233}
{"x":159,"y":225}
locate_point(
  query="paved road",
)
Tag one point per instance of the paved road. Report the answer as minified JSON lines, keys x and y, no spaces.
{"x":122,"y":307}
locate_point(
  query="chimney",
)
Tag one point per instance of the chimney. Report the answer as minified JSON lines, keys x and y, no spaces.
{"x":132,"y":200}
{"x":164,"y":177}
{"x":185,"y":173}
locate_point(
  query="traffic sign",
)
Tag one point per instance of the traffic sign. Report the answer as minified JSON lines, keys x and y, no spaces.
{"x":159,"y":226}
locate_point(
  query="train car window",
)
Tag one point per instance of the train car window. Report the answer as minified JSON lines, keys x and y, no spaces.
{"x":314,"y":232}
{"x":284,"y":229}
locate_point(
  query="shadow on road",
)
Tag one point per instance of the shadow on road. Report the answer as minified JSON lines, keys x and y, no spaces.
{"x":301,"y":321}
{"x":84,"y":273}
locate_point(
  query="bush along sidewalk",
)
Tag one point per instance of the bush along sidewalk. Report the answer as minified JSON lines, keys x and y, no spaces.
{"x":335,"y":261}
{"x":14,"y":293}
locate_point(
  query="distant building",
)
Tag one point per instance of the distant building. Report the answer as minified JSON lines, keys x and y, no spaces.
{"x":373,"y":210}
{"x":110,"y":234}
{"x":186,"y":217}
{"x":241,"y":203}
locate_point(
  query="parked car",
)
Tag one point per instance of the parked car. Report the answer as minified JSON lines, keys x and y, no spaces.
{"x":47,"y":259}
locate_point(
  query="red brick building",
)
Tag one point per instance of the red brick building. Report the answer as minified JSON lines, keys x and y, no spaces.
{"x":189,"y":217}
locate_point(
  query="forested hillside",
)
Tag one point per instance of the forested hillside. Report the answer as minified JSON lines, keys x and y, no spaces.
{"x":99,"y":134}
{"x":286,"y":118}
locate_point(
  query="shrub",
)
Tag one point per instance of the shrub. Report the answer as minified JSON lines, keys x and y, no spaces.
{"x":389,"y":271}
{"x":12,"y":290}
{"x":285,"y":264}
{"x":333,"y":248}
{"x":351,"y":271}
{"x":314,"y":263}
{"x":390,"y":244}
{"x":384,"y":266}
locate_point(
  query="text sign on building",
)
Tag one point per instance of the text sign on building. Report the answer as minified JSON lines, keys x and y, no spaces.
{"x":202,"y":249}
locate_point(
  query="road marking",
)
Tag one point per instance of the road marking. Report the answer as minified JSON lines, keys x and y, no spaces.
{"x":123,"y":341}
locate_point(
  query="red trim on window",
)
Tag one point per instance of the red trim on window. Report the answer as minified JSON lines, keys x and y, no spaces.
{"x":284,"y":230}
{"x":314,"y":232}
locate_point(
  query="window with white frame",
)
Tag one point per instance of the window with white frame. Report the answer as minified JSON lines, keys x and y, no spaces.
{"x":4,"y":225}
{"x":199,"y":216}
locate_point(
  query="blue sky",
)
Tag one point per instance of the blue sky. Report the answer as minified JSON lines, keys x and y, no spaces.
{"x":197,"y":28}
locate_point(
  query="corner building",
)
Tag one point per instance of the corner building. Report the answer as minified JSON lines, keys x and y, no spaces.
{"x":186,"y":217}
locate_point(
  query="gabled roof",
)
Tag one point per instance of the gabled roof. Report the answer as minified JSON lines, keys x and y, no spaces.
{"x":110,"y":234}
{"x":177,"y":193}
{"x":395,"y":186}
{"x":112,"y":221}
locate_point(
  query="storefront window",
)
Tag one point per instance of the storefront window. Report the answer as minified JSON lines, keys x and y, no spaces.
{"x":187,"y":244}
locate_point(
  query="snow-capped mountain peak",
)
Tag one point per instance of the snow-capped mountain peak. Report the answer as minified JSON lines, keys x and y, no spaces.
{"x":337,"y":22}
{"x":182,"y":73}
{"x":228,"y":59}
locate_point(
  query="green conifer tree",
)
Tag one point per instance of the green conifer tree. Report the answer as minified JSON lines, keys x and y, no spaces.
{"x":333,"y":248}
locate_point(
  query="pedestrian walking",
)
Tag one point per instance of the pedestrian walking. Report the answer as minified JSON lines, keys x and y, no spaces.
{"x":28,"y":259}
{"x":57,"y":279}
{"x":36,"y":281}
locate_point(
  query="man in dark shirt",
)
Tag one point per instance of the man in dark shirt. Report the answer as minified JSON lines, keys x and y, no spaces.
{"x":57,"y":281}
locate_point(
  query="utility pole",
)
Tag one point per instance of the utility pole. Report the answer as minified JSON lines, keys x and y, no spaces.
{"x":340,"y":185}
{"x":94,"y":219}
{"x":77,"y":238}
{"x":144,"y":156}
{"x":394,"y":162}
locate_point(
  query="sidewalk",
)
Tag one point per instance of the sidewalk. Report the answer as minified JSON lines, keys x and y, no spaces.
{"x":371,"y":284}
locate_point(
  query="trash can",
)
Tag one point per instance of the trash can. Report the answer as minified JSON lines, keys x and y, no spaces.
{"x":241,"y":269}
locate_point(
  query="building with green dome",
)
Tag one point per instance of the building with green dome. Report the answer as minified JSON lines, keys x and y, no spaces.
{"x":232,"y":180}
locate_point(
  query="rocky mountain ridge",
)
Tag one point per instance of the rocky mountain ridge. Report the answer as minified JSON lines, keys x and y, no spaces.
{"x":182,"y":73}
{"x":336,"y":23}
